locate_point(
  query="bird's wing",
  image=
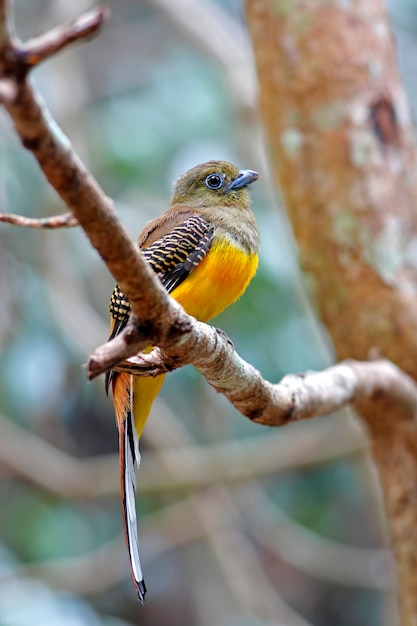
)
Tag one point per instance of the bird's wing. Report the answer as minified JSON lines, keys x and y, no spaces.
{"x":173,"y":256}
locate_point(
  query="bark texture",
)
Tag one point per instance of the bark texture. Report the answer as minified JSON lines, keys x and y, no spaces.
{"x":343,"y":153}
{"x":342,"y":148}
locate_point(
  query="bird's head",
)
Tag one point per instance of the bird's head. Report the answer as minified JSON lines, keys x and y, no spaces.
{"x":213,"y":183}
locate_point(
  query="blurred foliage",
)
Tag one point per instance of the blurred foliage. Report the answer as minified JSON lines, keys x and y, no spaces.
{"x":141,"y":104}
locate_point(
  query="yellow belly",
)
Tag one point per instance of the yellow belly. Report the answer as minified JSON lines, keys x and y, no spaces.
{"x":219,"y":280}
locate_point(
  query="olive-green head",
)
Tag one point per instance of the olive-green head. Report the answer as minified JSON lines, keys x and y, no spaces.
{"x":213,"y":184}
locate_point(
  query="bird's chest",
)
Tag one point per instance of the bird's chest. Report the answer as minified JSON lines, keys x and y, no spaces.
{"x":219,"y":280}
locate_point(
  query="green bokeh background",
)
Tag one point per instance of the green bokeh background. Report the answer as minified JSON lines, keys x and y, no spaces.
{"x":141,"y":104}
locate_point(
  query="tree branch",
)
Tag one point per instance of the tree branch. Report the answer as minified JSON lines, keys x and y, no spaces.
{"x":67,"y":220}
{"x":364,"y":385}
{"x":49,"y":44}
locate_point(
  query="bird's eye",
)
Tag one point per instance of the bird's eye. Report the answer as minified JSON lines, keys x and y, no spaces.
{"x":214,"y":181}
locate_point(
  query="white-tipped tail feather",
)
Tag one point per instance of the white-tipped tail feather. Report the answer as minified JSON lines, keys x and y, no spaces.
{"x":129,"y":454}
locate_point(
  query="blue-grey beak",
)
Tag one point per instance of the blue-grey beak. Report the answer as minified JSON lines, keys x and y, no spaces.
{"x":245,"y":178}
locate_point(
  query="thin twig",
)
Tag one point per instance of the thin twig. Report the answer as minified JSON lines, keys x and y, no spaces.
{"x":66,"y":220}
{"x":37,"y":50}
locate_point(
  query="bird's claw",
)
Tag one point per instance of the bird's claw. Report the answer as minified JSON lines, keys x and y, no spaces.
{"x":224,"y":336}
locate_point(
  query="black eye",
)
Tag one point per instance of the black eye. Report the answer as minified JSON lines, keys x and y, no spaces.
{"x":214,"y":181}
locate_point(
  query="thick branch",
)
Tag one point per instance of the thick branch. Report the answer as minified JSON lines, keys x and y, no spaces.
{"x":365,"y":385}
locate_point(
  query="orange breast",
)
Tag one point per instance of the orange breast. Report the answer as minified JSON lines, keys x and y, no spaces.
{"x":219,"y":280}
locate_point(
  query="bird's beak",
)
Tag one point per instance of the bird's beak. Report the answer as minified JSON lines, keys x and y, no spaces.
{"x":245,"y":178}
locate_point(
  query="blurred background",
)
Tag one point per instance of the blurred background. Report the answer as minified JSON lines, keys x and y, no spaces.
{"x":240,"y":525}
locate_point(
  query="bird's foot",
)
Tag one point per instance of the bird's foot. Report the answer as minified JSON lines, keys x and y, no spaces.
{"x":224,"y":336}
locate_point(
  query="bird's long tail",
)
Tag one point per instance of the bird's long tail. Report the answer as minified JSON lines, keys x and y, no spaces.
{"x":133,"y":398}
{"x":128,"y":454}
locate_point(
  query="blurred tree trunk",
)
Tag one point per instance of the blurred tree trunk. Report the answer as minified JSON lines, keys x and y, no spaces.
{"x":342,"y":149}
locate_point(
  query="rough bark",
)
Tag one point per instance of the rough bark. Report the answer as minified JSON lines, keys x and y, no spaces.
{"x":343,"y":153}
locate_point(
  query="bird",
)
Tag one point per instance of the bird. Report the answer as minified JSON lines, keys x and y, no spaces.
{"x":204,"y":249}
